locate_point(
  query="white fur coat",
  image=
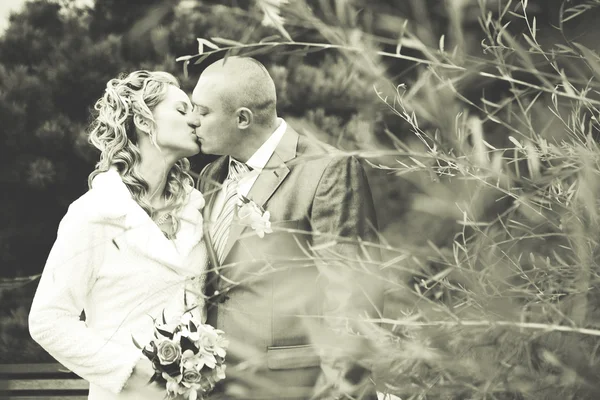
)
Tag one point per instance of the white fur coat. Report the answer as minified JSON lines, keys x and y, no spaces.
{"x":111,"y":260}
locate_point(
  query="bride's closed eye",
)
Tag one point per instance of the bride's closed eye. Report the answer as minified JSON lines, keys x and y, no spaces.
{"x":183,"y":108}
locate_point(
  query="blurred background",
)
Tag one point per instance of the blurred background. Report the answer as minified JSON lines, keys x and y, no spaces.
{"x":477,"y":123}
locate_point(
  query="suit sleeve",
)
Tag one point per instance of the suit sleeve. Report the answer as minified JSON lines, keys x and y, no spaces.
{"x":344,"y":233}
{"x":54,"y":320}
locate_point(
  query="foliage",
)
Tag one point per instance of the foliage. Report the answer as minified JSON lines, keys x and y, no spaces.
{"x":479,"y":118}
{"x":14,"y":346}
{"x":55,"y":58}
{"x":497,"y":296}
{"x":52,"y":69}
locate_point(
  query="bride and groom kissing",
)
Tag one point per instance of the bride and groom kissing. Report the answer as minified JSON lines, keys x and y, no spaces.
{"x":271,"y":248}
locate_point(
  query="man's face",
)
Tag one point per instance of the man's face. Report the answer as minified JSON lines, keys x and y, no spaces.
{"x":217,"y":133}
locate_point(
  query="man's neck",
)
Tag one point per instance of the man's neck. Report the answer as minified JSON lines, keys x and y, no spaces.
{"x":251,"y":145}
{"x":253,"y":142}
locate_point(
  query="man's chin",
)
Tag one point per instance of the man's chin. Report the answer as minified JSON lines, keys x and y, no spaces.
{"x":210,"y":152}
{"x":204,"y":151}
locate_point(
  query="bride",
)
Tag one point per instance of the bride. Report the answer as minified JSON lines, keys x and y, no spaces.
{"x":131,"y":246}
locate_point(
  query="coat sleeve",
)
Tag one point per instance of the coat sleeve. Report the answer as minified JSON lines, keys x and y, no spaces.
{"x":345,"y":245}
{"x":54,"y":320}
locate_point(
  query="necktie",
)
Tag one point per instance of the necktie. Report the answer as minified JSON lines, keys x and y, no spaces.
{"x":222,"y":225}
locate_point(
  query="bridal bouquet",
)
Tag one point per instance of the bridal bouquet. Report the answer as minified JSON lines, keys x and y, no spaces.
{"x":188,"y":356}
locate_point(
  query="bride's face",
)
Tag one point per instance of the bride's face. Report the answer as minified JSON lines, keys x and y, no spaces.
{"x":175,"y":124}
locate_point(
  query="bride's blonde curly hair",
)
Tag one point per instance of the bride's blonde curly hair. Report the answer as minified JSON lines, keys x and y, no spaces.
{"x":113,"y":132}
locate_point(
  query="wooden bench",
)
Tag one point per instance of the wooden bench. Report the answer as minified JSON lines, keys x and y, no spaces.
{"x":40,"y":381}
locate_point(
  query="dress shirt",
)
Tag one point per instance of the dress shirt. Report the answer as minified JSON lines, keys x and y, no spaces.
{"x":256,"y":163}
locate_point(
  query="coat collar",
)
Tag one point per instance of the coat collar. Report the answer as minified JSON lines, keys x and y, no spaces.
{"x":275,"y":170}
{"x":112,"y":200}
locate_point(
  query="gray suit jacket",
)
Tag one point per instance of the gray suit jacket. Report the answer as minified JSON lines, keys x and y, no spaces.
{"x":271,"y":294}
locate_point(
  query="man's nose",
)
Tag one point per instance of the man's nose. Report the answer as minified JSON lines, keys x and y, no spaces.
{"x":194,"y":121}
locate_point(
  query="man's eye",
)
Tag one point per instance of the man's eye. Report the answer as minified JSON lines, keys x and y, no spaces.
{"x":182,"y":112}
{"x":202,"y":111}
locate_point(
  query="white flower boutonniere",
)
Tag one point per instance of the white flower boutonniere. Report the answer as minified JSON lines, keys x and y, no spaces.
{"x":254,"y":216}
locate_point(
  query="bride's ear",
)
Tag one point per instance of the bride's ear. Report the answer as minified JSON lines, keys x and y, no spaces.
{"x":141,"y":123}
{"x":245,"y":118}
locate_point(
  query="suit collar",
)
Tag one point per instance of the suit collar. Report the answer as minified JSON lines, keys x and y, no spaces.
{"x":261,"y":157}
{"x":276,"y":169}
{"x":216,"y":172}
{"x":269,"y":179}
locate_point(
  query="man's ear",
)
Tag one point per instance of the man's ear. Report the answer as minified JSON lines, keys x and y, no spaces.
{"x":245,"y":118}
{"x":141,"y":123}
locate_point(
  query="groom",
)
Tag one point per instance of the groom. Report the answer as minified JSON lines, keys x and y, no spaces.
{"x":283,"y":222}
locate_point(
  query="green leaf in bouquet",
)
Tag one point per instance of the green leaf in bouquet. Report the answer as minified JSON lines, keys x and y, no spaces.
{"x":165,"y":332}
{"x":192,"y":327}
{"x":172,"y":369}
{"x":150,"y":354}
{"x":187,"y":344}
{"x":158,"y":367}
{"x":157,"y":377}
{"x":135,"y":342}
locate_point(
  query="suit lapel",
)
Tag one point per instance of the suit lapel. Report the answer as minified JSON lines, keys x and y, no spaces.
{"x":268,"y":180}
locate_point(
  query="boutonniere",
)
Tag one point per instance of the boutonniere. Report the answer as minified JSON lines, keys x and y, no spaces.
{"x":253,"y":215}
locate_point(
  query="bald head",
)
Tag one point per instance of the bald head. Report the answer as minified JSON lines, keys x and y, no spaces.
{"x":244,"y":82}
